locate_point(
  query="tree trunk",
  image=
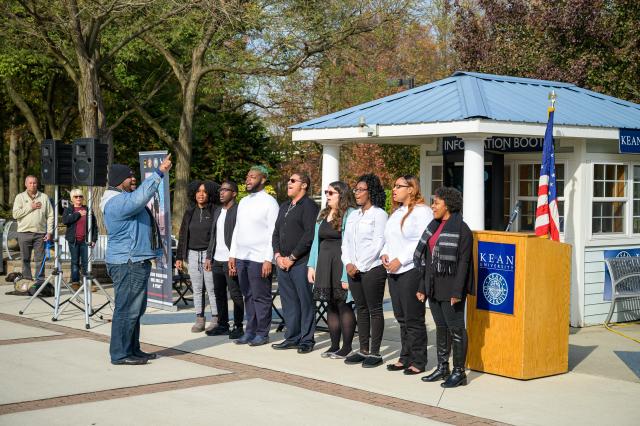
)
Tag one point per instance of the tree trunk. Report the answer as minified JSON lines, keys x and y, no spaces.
{"x":183,"y":155}
{"x":3,"y":167}
{"x":92,"y":118}
{"x":13,"y":164}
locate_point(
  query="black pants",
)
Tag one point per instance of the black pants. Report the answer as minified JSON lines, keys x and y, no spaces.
{"x":409,"y":313}
{"x":221,"y":281}
{"x":367,"y":289}
{"x":445,"y":315}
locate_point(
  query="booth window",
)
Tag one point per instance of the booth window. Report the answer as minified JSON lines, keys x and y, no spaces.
{"x":436,"y":178}
{"x":609,"y":198}
{"x":527,"y":194}
{"x":636,"y":199}
{"x":506,"y":205}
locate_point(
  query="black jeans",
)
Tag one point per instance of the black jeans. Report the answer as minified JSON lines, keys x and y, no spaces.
{"x":367,"y":289}
{"x":221,"y":281}
{"x":409,"y":313}
{"x":445,"y":315}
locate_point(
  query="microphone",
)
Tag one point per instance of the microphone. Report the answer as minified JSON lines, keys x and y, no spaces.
{"x":514,"y":214}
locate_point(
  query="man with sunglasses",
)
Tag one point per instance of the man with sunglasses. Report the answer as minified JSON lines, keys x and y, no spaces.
{"x":292,"y":239}
{"x":251,"y":254}
{"x":217,"y":260}
{"x":77,"y":235}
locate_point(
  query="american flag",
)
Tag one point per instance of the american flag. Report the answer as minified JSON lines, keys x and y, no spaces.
{"x":547,"y":216}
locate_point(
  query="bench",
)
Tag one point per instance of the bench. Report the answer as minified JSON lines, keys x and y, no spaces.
{"x":625,"y":280}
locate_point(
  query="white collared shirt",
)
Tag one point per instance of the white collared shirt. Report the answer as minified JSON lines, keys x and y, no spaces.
{"x":401,"y":243}
{"x":363,"y":238}
{"x":257,"y":214}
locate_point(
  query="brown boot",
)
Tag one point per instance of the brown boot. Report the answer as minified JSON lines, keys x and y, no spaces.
{"x":213,"y":324}
{"x":198,"y":327}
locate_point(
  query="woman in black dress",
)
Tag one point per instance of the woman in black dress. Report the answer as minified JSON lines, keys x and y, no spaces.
{"x":445,"y":254}
{"x":328,"y":274}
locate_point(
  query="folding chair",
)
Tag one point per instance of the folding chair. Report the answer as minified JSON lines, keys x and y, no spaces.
{"x":275,"y":292}
{"x":182,"y":285}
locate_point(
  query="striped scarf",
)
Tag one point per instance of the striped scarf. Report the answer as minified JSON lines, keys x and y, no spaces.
{"x":444,"y":258}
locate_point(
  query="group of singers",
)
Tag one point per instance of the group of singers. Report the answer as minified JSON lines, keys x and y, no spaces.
{"x":342,"y":255}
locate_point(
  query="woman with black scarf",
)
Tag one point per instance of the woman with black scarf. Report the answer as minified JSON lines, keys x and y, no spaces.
{"x":445,"y":254}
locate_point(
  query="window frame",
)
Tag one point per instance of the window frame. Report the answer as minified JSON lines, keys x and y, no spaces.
{"x":628,"y":200}
{"x":515,"y":187}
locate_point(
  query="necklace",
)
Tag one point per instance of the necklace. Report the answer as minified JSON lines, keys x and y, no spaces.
{"x":291,"y":207}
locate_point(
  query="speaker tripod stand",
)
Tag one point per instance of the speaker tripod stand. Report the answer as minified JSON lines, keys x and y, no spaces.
{"x":88,"y":279}
{"x":55,"y":277}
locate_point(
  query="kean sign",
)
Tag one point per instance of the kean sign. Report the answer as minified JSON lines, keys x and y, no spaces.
{"x":496,"y":277}
{"x":629,"y":141}
{"x":452,"y":144}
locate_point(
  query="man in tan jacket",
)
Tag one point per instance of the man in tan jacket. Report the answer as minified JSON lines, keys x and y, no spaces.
{"x":34,"y":214}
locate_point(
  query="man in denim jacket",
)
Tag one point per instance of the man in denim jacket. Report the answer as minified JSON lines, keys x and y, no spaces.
{"x":133,"y":240}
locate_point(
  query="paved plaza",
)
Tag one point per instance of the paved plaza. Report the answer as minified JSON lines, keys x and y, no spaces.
{"x":58,"y":373}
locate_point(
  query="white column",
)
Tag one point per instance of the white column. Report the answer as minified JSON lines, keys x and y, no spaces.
{"x":330,"y":166}
{"x":473,"y":201}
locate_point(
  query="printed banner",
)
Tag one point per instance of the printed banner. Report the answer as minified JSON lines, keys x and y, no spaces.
{"x":629,"y":141}
{"x":496,"y":277}
{"x":160,"y":288}
{"x":608,"y":254}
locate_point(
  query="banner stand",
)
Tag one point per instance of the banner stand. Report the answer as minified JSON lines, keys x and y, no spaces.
{"x":160,"y":288}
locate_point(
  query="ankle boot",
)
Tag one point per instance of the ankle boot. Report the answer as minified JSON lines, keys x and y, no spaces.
{"x":443,"y":348}
{"x":458,"y":376}
{"x":198,"y":327}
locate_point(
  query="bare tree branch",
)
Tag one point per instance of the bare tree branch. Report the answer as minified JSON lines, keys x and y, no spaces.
{"x":173,"y":62}
{"x":25,"y":109}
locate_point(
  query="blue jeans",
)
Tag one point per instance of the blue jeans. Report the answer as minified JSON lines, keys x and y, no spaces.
{"x":79,"y":257}
{"x":257,"y":297}
{"x":130,"y":285}
{"x":298,"y":307}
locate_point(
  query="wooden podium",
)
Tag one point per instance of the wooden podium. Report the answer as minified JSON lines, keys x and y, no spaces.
{"x":534,"y":340}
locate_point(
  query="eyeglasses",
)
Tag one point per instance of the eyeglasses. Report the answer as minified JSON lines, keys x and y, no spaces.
{"x":226,"y":190}
{"x":330,"y":193}
{"x":78,"y":196}
{"x":292,"y":180}
{"x":396,"y":186}
{"x":357,"y":190}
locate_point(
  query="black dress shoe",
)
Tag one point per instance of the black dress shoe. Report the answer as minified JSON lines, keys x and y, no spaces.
{"x":394,"y":367}
{"x":145,"y":355}
{"x":217,"y":331}
{"x":355,"y":358}
{"x":284,"y":345}
{"x":410,"y":372}
{"x":305,"y":349}
{"x":236,"y":333}
{"x":132,"y":360}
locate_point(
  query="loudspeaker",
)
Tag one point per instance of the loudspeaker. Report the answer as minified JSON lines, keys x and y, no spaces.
{"x":55,"y":162}
{"x":90,"y":159}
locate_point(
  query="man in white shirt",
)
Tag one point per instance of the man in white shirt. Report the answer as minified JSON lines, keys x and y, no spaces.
{"x":251,"y":255}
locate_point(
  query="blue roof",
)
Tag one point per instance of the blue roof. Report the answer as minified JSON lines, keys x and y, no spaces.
{"x":469,"y":95}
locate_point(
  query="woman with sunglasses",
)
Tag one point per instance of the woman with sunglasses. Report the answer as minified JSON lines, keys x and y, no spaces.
{"x":75,"y":218}
{"x":327,"y":272}
{"x":193,"y":242}
{"x":402,"y":234}
{"x":445,"y":254}
{"x":361,"y":245}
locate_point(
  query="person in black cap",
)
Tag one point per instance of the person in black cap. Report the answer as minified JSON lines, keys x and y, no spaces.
{"x":133,"y":240}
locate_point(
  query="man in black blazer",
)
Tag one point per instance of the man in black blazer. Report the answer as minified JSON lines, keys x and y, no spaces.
{"x":217,"y":260}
